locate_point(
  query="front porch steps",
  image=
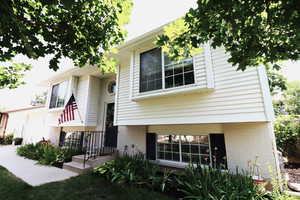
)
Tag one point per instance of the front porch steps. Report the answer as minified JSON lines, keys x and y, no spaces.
{"x":77,"y":163}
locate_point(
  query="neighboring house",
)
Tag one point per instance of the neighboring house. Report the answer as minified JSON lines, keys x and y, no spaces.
{"x":200,"y":109}
{"x":3,"y":123}
{"x":27,"y":123}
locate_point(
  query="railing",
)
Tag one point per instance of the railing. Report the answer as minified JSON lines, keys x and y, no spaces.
{"x":87,"y":143}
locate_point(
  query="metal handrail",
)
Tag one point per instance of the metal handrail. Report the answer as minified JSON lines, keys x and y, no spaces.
{"x":88,"y":143}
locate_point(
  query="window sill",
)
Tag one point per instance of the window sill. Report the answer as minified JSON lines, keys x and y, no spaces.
{"x":174,"y":164}
{"x":170,"y":91}
{"x":55,"y":109}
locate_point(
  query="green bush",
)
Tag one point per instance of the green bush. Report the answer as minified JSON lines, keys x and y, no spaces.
{"x":213,"y":184}
{"x":46,"y":154}
{"x":18,"y":141}
{"x":134,"y":170}
{"x":8,"y":139}
{"x":287,"y":132}
{"x":193,"y":182}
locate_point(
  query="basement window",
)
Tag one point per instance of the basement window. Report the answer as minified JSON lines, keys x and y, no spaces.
{"x":184,"y":148}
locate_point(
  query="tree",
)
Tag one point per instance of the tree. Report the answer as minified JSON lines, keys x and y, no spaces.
{"x":277,"y":82}
{"x":292,"y":98}
{"x":83,"y":30}
{"x":39,"y":99}
{"x":253,"y":32}
{"x":11,"y":76}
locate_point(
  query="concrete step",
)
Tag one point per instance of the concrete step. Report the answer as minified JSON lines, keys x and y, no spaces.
{"x":77,"y":167}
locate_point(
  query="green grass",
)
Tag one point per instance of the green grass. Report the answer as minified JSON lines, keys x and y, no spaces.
{"x":83,"y":187}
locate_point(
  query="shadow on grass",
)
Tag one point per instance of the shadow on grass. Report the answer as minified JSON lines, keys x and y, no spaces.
{"x":83,"y":187}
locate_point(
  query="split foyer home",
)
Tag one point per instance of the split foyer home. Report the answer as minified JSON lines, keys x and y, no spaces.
{"x":200,"y":109}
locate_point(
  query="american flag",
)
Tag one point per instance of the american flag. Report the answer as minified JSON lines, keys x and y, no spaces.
{"x":68,"y":112}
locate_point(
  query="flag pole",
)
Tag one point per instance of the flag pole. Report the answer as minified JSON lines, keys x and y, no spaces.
{"x":80,"y":118}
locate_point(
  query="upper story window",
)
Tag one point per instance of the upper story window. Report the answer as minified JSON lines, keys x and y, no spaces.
{"x":178,"y":73}
{"x":154,"y":68}
{"x":151,"y":71}
{"x":58,"y":95}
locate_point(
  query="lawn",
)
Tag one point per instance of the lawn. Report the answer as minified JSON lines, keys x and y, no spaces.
{"x":83,"y":187}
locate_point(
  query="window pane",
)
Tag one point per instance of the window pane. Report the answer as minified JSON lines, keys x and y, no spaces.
{"x":168,"y":156}
{"x":151,"y":72}
{"x":188,"y":65}
{"x":176,"y":157}
{"x":62,"y":91}
{"x":185,"y":148}
{"x":189,"y":78}
{"x":195,"y":149}
{"x":169,"y":82}
{"x":205,"y":160}
{"x":204,"y":150}
{"x":195,"y":158}
{"x":178,"y":80}
{"x":179,"y":70}
{"x":161,"y":155}
{"x":186,"y":157}
{"x":203,"y":139}
{"x":54,"y":96}
{"x":175,"y":147}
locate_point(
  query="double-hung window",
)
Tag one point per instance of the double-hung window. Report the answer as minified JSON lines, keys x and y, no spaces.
{"x":157,"y":73}
{"x":58,"y":95}
{"x":184,"y":148}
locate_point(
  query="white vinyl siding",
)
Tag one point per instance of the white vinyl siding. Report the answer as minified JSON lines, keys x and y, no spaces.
{"x":237,"y":96}
{"x":81,"y":96}
{"x":93,"y":101}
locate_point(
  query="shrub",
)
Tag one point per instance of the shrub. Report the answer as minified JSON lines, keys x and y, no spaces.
{"x":134,"y":170}
{"x":212,"y":184}
{"x":46,"y":154}
{"x":18,"y":141}
{"x":30,"y":151}
{"x":287,"y":131}
{"x":8,"y":139}
{"x":194,"y":182}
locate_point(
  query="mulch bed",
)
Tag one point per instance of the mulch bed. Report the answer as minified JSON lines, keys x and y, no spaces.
{"x":294,"y":172}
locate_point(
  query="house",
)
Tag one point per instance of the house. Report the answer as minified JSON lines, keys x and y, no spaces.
{"x":27,"y":123}
{"x":199,"y":109}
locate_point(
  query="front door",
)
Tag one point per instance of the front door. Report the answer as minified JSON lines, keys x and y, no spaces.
{"x":111,"y":131}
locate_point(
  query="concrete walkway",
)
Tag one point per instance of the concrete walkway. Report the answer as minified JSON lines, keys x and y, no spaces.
{"x":28,"y":170}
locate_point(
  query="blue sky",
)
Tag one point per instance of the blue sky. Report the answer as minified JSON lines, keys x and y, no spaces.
{"x":146,"y":15}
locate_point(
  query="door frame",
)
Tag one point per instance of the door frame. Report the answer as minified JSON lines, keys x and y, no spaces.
{"x":105,"y":115}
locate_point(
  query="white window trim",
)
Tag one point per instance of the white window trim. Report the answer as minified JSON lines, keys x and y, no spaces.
{"x":54,"y":109}
{"x":184,"y":89}
{"x":181,"y":164}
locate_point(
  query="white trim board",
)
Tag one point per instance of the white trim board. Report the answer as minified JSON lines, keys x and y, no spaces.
{"x":236,"y":118}
{"x":209,"y":67}
{"x":266,"y":94}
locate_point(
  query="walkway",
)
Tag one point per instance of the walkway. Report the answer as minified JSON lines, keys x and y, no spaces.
{"x":28,"y":170}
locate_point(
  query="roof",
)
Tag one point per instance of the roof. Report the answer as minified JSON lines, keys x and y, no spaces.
{"x":75,"y":71}
{"x":23,"y":109}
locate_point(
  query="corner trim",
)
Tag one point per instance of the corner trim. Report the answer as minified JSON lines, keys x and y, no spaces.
{"x":117,"y":95}
{"x":209,"y":67}
{"x":266,"y":94}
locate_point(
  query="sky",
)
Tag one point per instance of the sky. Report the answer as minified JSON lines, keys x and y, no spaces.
{"x":146,"y":15}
